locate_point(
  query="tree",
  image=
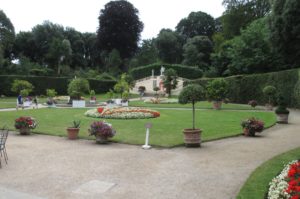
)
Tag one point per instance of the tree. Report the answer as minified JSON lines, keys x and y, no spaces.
{"x":19,"y":85}
{"x":250,"y":52}
{"x":170,"y":80}
{"x":119,"y":28}
{"x":197,"y":52}
{"x":169,"y":45}
{"x":78,"y":87}
{"x":122,"y":85}
{"x":7,"y":35}
{"x":285,"y":30}
{"x":240,"y":13}
{"x":197,"y":23}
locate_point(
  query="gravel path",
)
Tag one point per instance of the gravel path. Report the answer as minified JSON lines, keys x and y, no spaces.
{"x":54,"y":167}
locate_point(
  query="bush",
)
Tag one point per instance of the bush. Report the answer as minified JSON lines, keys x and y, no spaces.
{"x":78,"y":87}
{"x":182,"y":71}
{"x":51,"y":92}
{"x":19,"y":85}
{"x":270,"y":92}
{"x":217,"y":90}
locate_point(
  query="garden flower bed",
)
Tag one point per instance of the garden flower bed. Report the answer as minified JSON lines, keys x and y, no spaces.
{"x":287,"y":184}
{"x":122,"y":113}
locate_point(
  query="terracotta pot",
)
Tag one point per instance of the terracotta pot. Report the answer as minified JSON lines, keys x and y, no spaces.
{"x":73,"y":133}
{"x":217,"y":105}
{"x":101,"y":140}
{"x":25,"y":131}
{"x":192,"y":137}
{"x":246,"y":132}
{"x":282,"y":118}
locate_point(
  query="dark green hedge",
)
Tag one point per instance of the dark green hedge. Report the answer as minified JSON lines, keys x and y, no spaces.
{"x":182,"y":71}
{"x":249,"y":87}
{"x":60,"y":84}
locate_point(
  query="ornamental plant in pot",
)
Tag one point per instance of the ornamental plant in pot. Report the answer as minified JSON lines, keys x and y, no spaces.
{"x":77,"y":88}
{"x":281,"y":111}
{"x":216,"y":91}
{"x":251,"y":126}
{"x":192,"y":94}
{"x":102,"y":131}
{"x":74,"y":130}
{"x":269,"y":92}
{"x":25,"y":124}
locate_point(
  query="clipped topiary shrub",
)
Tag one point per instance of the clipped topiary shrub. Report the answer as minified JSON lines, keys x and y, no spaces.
{"x":78,"y":87}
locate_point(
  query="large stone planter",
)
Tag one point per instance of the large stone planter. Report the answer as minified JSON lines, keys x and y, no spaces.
{"x":192,"y":137}
{"x":73,"y":133}
{"x":217,"y":105}
{"x":25,"y":131}
{"x":282,"y":118}
{"x":101,"y":140}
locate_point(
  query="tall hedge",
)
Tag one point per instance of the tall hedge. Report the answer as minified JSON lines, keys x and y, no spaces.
{"x":249,"y":87}
{"x":60,"y":84}
{"x":187,"y":72}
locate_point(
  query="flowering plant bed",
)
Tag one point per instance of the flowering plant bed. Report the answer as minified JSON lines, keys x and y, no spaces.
{"x":287,"y":184}
{"x":122,"y":113}
{"x":25,"y":122}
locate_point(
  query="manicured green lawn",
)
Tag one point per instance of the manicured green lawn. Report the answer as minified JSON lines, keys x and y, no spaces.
{"x":201,"y":105}
{"x":257,"y":184}
{"x":166,"y":131}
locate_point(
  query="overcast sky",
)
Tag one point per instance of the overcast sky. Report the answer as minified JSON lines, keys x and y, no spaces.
{"x":83,"y":14}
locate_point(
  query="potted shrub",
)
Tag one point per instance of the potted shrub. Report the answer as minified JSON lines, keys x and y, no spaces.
{"x":92,"y":97}
{"x":51,"y":93}
{"x":25,"y":124}
{"x":281,"y":111}
{"x":269,"y":92}
{"x":192,"y":94}
{"x":77,"y":88}
{"x":141,"y":90}
{"x":74,"y":130}
{"x":102,"y":131}
{"x":252,"y":103}
{"x":125,"y":99}
{"x":216,"y":91}
{"x":251,"y":126}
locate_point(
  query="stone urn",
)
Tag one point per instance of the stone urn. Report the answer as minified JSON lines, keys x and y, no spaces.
{"x":25,"y":131}
{"x":217,"y":105}
{"x":192,"y":137}
{"x":72,"y":133}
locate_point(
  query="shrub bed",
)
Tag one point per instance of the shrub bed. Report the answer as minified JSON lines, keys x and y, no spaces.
{"x":182,"y":71}
{"x":122,"y":113}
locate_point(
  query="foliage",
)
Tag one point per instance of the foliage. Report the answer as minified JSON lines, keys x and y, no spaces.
{"x":103,"y":129}
{"x":197,"y":52}
{"x":119,"y":28}
{"x":217,"y":90}
{"x":25,"y":122}
{"x":113,"y":62}
{"x":244,"y":88}
{"x":7,"y":35}
{"x":270,"y":92}
{"x":182,"y":71}
{"x":284,"y":29}
{"x":75,"y":124}
{"x":240,"y":13}
{"x":169,"y":45}
{"x":197,"y":23}
{"x":92,"y":93}
{"x":252,"y":103}
{"x":122,"y":85}
{"x":250,"y":52}
{"x":191,"y":94}
{"x":170,"y":80}
{"x":282,"y":105}
{"x":19,"y":85}
{"x":253,"y":125}
{"x":24,"y":92}
{"x":51,"y":92}
{"x":78,"y":87}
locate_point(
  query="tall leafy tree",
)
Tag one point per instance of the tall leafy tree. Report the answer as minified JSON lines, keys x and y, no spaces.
{"x":7,"y":35}
{"x":240,"y":13}
{"x":147,"y":53}
{"x":285,"y":31}
{"x":170,"y":80}
{"x":197,"y":51}
{"x":169,"y":45}
{"x":197,"y":23}
{"x":119,"y":28}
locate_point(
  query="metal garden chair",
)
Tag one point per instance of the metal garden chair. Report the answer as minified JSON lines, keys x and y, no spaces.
{"x":3,"y":138}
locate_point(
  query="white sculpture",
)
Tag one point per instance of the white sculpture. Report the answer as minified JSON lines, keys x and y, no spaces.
{"x":162,"y":70}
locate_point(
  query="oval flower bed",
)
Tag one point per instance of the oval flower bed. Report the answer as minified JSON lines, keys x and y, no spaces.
{"x":122,"y":113}
{"x":287,"y":184}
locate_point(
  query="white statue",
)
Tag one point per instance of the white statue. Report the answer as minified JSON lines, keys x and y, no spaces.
{"x":162,"y":70}
{"x":152,"y":73}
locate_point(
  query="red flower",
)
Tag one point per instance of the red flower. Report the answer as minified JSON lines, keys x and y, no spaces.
{"x":100,"y":109}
